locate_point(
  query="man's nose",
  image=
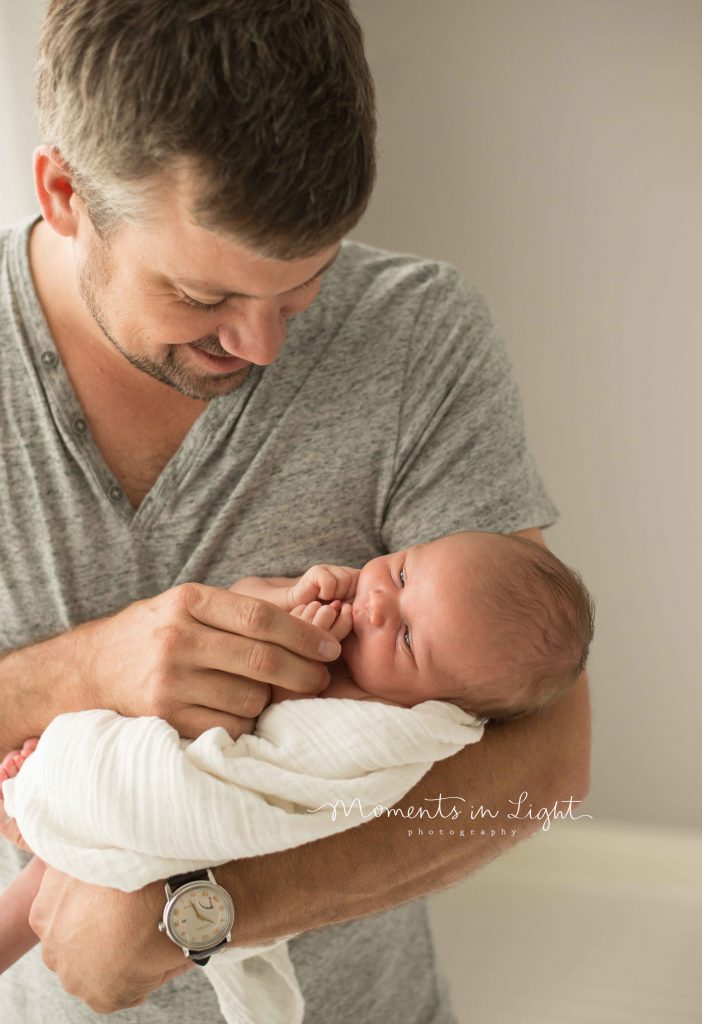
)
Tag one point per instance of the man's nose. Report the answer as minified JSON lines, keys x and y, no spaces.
{"x":258,"y":336}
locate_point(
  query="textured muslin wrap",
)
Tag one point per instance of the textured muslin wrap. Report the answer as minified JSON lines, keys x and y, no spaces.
{"x":122,"y":802}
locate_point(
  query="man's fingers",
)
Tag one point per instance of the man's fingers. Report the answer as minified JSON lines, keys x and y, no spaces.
{"x":223,"y":692}
{"x":256,"y":661}
{"x":194,"y":721}
{"x":255,"y":619}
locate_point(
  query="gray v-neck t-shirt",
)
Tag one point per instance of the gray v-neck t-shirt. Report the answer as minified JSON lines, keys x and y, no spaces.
{"x":391,"y":417}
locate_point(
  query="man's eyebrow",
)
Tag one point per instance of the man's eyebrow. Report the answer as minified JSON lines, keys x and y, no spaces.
{"x":210,"y":289}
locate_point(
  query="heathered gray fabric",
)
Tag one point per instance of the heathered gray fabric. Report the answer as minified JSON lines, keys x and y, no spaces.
{"x":391,"y":417}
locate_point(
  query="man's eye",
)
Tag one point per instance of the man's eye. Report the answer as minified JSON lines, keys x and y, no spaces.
{"x":307,"y":285}
{"x":402,"y":577}
{"x":201,"y":305}
{"x":406,"y":637}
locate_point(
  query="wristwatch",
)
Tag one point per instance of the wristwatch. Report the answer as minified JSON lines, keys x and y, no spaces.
{"x":198,"y":915}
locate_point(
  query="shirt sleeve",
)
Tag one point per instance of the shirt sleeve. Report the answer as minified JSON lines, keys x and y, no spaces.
{"x":461,"y":459}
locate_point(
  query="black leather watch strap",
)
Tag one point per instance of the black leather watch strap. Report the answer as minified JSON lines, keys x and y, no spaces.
{"x":175,"y":881}
{"x":201,"y":961}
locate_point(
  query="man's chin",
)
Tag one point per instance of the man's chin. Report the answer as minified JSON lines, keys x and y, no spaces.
{"x":205,"y":388}
{"x":173,"y":374}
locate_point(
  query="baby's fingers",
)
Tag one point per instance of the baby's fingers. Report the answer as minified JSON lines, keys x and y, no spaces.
{"x":322,"y":615}
{"x":307,"y":611}
{"x":325,"y":617}
{"x":344,"y":623}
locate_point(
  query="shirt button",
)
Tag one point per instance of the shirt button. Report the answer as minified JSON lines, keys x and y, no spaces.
{"x":79,"y":425}
{"x":115,"y":493}
{"x":49,"y":359}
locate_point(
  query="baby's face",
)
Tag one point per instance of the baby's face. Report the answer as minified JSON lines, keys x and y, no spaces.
{"x":418,"y":627}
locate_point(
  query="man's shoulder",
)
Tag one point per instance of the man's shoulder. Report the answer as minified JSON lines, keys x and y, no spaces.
{"x":392,"y":287}
{"x":13,"y":238}
{"x":10,"y":234}
{"x":368,"y":264}
{"x":402,"y":291}
{"x":7,"y":235}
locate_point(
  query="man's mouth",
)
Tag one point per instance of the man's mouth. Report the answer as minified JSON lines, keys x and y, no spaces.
{"x":223,"y":363}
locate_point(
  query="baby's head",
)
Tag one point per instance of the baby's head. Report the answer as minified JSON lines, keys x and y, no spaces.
{"x":495,"y":624}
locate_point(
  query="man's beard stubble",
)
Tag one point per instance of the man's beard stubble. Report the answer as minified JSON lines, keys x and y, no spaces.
{"x":94,"y":276}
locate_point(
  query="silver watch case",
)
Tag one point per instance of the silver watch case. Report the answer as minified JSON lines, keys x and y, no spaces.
{"x":172,"y":896}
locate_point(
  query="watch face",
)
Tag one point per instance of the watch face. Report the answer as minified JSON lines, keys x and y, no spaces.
{"x":200,"y":916}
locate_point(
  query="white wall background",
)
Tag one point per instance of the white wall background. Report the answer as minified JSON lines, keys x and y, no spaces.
{"x":19,"y":30}
{"x":552,"y":149}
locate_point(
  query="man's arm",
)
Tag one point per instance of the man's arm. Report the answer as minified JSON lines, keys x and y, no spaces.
{"x":104,"y":944}
{"x":37,"y":683}
{"x":378,"y":865}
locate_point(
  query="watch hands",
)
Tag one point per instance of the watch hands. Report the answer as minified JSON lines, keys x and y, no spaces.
{"x":203,"y":917}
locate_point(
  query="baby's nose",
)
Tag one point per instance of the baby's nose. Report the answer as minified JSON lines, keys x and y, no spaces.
{"x":378,"y":609}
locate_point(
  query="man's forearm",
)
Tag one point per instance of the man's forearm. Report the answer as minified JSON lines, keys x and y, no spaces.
{"x":378,"y":865}
{"x":39,"y":682}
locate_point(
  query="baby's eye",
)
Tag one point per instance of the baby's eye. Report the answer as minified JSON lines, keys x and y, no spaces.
{"x":402,"y":577}
{"x":406,"y":637}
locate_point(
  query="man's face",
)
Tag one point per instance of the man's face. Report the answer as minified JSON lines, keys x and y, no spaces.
{"x":419,"y":628}
{"x":189,"y":307}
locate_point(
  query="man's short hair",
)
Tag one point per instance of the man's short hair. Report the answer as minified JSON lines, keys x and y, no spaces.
{"x":270,"y":103}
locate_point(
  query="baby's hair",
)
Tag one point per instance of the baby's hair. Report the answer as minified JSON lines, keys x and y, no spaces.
{"x":544,"y":614}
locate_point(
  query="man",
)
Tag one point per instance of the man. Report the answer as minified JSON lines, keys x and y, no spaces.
{"x":200,"y":381}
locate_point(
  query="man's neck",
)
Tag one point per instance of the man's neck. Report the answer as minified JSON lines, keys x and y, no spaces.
{"x":53,"y":270}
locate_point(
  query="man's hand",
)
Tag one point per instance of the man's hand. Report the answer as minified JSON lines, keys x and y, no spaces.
{"x":199,"y":657}
{"x":104,"y":944}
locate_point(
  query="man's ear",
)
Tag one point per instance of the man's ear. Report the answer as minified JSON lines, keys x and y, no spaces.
{"x":54,"y":189}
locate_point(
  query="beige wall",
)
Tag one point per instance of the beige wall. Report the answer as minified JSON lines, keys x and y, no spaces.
{"x":553,"y":151}
{"x":18,"y":33}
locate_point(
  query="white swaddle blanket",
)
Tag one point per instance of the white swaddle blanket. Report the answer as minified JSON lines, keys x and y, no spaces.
{"x":122,"y":802}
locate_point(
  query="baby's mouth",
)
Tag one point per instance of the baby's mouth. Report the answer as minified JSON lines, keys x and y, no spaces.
{"x":358,"y":610}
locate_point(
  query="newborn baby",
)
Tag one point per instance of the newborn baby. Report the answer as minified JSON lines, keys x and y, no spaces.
{"x":494,"y":624}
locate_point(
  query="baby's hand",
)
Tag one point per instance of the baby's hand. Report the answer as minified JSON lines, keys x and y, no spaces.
{"x":335,"y":617}
{"x":324,"y":583}
{"x":9,"y":767}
